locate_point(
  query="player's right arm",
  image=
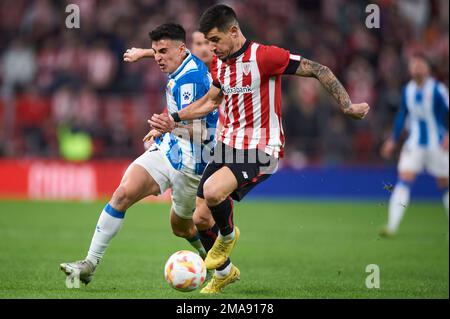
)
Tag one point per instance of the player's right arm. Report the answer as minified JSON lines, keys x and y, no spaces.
{"x":276,"y":61}
{"x":330,"y":82}
{"x":390,"y":144}
{"x":196,"y":110}
{"x":135,"y":54}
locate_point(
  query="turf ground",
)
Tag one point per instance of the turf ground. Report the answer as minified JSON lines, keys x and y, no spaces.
{"x":286,"y":250}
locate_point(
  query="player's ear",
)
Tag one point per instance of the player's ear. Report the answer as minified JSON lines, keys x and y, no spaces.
{"x":234,"y":31}
{"x":182,"y":48}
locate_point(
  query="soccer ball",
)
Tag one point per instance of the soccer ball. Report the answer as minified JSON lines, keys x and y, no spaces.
{"x":185,"y":271}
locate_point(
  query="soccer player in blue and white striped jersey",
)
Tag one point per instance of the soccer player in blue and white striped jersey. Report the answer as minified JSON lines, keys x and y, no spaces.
{"x":175,"y":160}
{"x":424,"y":110}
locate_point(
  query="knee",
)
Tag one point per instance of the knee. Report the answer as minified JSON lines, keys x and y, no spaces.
{"x":183,"y":233}
{"x":212,"y":194}
{"x":407,"y":177}
{"x":121,"y":198}
{"x":442,"y":183}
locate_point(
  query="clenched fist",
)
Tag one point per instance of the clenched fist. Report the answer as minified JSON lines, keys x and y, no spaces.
{"x":357,"y":111}
{"x":135,"y":54}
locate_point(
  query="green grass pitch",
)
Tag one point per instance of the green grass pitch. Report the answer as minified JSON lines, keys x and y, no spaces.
{"x":288,"y":249}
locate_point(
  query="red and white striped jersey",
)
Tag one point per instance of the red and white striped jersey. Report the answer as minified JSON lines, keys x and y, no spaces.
{"x":251,"y":83}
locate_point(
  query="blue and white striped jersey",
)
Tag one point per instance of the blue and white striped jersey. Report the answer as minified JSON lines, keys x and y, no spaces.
{"x":425,"y":110}
{"x":190,"y":82}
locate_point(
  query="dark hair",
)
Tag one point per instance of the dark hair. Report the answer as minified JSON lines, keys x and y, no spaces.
{"x":422,"y":56}
{"x":219,"y":16}
{"x":171,"y":31}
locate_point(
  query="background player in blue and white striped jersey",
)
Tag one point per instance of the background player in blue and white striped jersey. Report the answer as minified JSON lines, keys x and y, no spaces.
{"x":173,"y":161}
{"x":424,"y":109}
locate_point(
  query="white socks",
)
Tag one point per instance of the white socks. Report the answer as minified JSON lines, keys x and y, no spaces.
{"x":108,"y":225}
{"x":397,"y":205}
{"x":228,"y":237}
{"x":224,"y":272}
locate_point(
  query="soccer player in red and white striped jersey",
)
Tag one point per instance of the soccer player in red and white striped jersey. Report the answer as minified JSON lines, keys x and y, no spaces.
{"x":247,"y":76}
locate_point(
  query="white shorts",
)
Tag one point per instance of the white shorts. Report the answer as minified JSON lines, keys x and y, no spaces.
{"x":184,"y":186}
{"x":417,"y":159}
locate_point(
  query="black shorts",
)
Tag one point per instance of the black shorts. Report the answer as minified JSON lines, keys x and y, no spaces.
{"x":250,"y":167}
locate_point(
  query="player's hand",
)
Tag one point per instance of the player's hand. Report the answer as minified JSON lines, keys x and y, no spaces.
{"x":150,"y":137}
{"x":162,"y":122}
{"x":357,"y":111}
{"x":445,"y":142}
{"x":388,"y":148}
{"x":133,"y":54}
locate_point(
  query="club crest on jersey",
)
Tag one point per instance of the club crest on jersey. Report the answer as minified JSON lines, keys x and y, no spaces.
{"x":186,"y":95}
{"x":246,"y":67}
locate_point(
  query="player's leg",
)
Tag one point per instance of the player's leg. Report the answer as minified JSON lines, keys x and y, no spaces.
{"x":216,"y":192}
{"x":208,"y":231}
{"x":411,"y":162}
{"x":438,"y":166}
{"x":442,"y":183}
{"x":185,"y":228}
{"x":137,"y":183}
{"x":184,"y":189}
{"x":399,"y":202}
{"x":227,"y":181}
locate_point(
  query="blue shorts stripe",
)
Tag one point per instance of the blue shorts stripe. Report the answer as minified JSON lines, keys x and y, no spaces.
{"x":113,"y":212}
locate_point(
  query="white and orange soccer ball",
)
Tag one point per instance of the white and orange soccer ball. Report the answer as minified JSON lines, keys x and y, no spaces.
{"x":185,"y":271}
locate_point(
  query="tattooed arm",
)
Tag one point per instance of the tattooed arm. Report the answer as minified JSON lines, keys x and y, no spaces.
{"x":308,"y":68}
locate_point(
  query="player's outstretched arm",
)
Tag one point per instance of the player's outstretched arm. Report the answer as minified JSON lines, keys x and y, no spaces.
{"x":135,"y":54}
{"x":308,"y":68}
{"x":196,"y":110}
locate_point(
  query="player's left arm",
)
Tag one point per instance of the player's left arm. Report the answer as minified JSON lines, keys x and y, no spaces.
{"x":308,"y":68}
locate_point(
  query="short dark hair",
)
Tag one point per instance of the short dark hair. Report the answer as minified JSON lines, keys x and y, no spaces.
{"x":422,"y":56}
{"x":171,"y":31}
{"x":219,"y":16}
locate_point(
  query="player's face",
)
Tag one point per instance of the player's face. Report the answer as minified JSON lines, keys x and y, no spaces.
{"x":418,"y":68}
{"x":169,"y":54}
{"x":222,"y":43}
{"x":201,"y":47}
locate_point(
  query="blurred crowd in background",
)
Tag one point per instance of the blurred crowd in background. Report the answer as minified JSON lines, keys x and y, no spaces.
{"x":60,"y":84}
